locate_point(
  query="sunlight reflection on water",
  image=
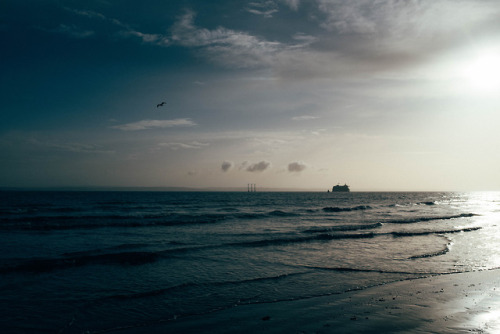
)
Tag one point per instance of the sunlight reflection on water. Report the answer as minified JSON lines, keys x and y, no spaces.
{"x":480,"y":250}
{"x":489,"y":319}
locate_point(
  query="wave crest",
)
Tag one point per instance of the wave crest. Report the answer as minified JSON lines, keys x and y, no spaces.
{"x":341,"y":209}
{"x":342,"y":228}
{"x":424,"y":219}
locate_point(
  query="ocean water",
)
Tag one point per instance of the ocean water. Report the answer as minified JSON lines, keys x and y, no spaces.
{"x":94,"y":262}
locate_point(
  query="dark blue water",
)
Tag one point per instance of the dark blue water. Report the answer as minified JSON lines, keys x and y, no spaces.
{"x":90,"y":262}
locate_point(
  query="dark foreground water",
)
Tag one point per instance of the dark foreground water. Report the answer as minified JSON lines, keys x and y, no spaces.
{"x":91,"y":262}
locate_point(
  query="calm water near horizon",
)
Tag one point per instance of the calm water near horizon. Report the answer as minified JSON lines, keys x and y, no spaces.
{"x":90,"y":262}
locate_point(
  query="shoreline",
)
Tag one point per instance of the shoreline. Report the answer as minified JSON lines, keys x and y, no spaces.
{"x":452,"y":303}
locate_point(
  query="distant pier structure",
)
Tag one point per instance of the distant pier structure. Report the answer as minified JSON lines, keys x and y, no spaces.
{"x":252,"y":187}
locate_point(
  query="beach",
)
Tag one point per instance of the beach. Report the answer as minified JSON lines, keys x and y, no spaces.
{"x":454,"y":303}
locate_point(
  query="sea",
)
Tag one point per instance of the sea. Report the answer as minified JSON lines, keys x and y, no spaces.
{"x":104,"y":261}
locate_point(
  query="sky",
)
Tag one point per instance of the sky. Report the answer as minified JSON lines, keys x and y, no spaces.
{"x":383,"y":95}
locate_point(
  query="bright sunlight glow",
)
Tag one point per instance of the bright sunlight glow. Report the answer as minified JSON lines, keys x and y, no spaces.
{"x":483,"y":71}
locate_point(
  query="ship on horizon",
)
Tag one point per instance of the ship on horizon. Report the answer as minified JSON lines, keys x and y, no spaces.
{"x":339,"y":188}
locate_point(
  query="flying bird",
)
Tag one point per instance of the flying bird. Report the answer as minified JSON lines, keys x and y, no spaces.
{"x":161,"y":104}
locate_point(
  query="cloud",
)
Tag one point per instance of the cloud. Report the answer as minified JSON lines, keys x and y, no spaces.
{"x":364,"y":37}
{"x":258,"y":167}
{"x":156,"y":39}
{"x":69,"y":30}
{"x":400,"y":25}
{"x":127,"y":31}
{"x":366,"y":16}
{"x":177,"y":146}
{"x":152,"y":124}
{"x":318,"y":132}
{"x":224,"y":46}
{"x":226,"y":166}
{"x":238,"y":49}
{"x":353,"y":38}
{"x":69,"y":147}
{"x":263,"y":8}
{"x":304,"y":118}
{"x":73,"y":31}
{"x":185,"y":33}
{"x":293,"y":4}
{"x":296,"y":167}
{"x":87,"y":13}
{"x":304,"y":39}
{"x":227,"y":47}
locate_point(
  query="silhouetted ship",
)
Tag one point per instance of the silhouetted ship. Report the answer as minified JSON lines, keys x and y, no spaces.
{"x":341,"y":189}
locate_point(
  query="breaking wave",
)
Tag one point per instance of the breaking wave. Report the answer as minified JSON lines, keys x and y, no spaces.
{"x":341,"y":228}
{"x":419,"y":233}
{"x":445,"y":250}
{"x":427,"y":203}
{"x":319,"y":237}
{"x":340,"y":209}
{"x":425,"y":219}
{"x":115,"y":256}
{"x":349,"y":269}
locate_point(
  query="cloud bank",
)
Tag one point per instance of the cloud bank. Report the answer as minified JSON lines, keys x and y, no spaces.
{"x":152,"y":124}
{"x":177,"y":146}
{"x":355,"y":36}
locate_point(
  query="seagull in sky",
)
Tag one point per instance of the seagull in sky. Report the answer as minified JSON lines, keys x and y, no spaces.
{"x":161,"y":104}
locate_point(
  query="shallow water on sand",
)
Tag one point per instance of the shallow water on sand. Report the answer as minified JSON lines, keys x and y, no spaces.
{"x":99,"y":261}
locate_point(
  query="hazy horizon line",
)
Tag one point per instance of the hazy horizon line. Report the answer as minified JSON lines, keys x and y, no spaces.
{"x":204,"y":189}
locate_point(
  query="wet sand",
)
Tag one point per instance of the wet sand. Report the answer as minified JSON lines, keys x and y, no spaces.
{"x":454,"y":303}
